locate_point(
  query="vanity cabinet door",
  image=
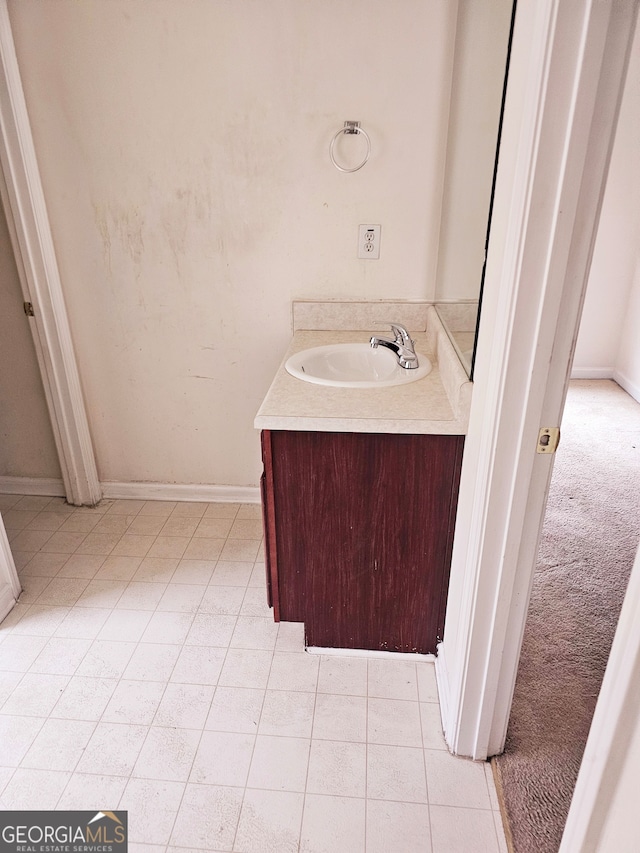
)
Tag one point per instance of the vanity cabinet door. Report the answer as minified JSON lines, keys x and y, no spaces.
{"x":362,"y":534}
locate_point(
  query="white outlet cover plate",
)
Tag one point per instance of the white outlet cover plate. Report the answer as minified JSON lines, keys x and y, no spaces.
{"x":369,"y":242}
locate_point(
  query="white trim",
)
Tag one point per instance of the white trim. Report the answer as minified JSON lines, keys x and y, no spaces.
{"x":610,"y":736}
{"x":565,"y":84}
{"x":632,"y":388}
{"x":180,"y":492}
{"x":32,"y":486}
{"x":7,"y":600}
{"x":412,"y":657}
{"x":30,"y":231}
{"x":136,"y":491}
{"x":592,"y":373}
{"x":8,"y":573}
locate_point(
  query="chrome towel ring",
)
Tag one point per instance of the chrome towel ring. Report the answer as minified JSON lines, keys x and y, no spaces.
{"x":349,"y":127}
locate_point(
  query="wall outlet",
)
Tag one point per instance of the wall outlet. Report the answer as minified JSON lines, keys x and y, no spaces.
{"x":369,"y":242}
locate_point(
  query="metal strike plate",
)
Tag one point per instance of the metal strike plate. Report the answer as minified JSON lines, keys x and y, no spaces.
{"x":548,"y":439}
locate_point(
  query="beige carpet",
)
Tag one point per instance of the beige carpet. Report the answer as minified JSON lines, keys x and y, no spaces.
{"x":589,"y":541}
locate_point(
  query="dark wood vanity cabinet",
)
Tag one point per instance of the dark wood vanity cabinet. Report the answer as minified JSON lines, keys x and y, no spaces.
{"x":359,"y":530}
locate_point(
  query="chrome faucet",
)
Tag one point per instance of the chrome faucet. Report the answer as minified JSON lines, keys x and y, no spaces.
{"x":402,"y":346}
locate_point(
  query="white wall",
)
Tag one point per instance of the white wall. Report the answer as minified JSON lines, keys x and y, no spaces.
{"x":183,"y":149}
{"x":27,"y":447}
{"x":482,"y":34}
{"x":609,"y":341}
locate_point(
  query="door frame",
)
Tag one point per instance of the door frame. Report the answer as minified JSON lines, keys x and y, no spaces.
{"x":29,"y":228}
{"x":10,"y":587}
{"x":566,"y":80}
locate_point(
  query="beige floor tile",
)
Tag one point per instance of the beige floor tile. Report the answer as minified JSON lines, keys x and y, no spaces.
{"x":213,"y":528}
{"x":223,"y":758}
{"x":198,"y":665}
{"x":17,"y":652}
{"x":145,"y":671}
{"x":106,"y":659}
{"x":178,"y":525}
{"x":167,"y":628}
{"x":279,"y":763}
{"x":167,"y":754}
{"x":61,"y":656}
{"x":291,"y":671}
{"x":82,"y":623}
{"x":36,"y":695}
{"x":181,"y":598}
{"x":118,"y":568}
{"x":184,"y":706}
{"x":231,"y":573}
{"x":134,"y":702}
{"x":398,"y":827}
{"x":47,"y":521}
{"x":396,"y":773}
{"x":462,"y":830}
{"x":246,"y":528}
{"x":146,"y":525}
{"x":254,"y":632}
{"x":337,"y":768}
{"x":244,"y":668}
{"x":223,"y":600}
{"x":338,"y":718}
{"x":208,"y":817}
{"x":235,"y":709}
{"x":287,"y":714}
{"x":343,"y":675}
{"x":392,"y":679}
{"x":156,"y":569}
{"x":240,"y":549}
{"x":193,"y":571}
{"x":81,"y":566}
{"x":17,"y":733}
{"x":63,"y":591}
{"x":58,"y":745}
{"x":34,"y":789}
{"x":394,"y":721}
{"x":152,"y":662}
{"x":222,"y":510}
{"x":203,"y":549}
{"x":84,"y":698}
{"x":330,"y":824}
{"x":454,"y":781}
{"x":133,"y":545}
{"x":269,"y":821}
{"x":152,"y":806}
{"x":84,"y":790}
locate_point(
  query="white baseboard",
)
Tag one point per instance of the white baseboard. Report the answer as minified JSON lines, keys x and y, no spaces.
{"x":180,"y":492}
{"x":413,"y":657}
{"x":632,"y":388}
{"x":136,"y":491}
{"x":592,"y":373}
{"x":32,"y":486}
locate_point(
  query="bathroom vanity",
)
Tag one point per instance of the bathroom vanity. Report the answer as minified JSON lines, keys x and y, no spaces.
{"x":359,"y":495}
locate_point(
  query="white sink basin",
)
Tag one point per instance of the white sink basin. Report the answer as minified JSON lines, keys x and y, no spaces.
{"x":354,"y":366}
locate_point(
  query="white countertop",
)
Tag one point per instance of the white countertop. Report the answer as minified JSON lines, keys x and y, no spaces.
{"x":437,"y":404}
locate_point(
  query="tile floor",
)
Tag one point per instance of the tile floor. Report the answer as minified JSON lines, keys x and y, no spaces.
{"x":141,"y":670}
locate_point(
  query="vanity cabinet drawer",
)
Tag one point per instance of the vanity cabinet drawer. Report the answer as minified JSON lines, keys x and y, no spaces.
{"x":359,"y":533}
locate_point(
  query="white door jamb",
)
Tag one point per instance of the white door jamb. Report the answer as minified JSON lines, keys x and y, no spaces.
{"x":566,"y":79}
{"x":10,"y":587}
{"x":30,"y":231}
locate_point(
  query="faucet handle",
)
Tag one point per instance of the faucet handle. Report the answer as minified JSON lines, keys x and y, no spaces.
{"x":401,"y":334}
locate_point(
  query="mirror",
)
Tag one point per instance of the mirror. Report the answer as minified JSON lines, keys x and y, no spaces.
{"x":482,"y":46}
